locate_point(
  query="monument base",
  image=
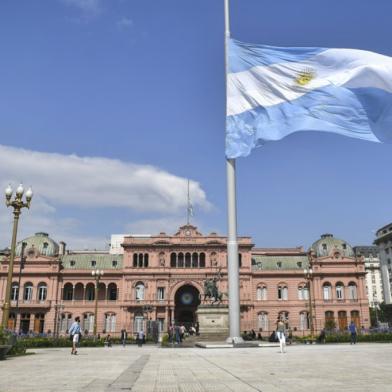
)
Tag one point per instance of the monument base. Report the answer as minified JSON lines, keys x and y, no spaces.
{"x":213,"y":322}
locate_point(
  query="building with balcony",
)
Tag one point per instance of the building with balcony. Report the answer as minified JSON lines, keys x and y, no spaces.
{"x":161,"y":278}
{"x":374,"y":288}
{"x":384,"y":243}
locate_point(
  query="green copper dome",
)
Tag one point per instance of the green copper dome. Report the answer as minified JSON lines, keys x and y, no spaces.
{"x":328,"y":243}
{"x":41,"y":243}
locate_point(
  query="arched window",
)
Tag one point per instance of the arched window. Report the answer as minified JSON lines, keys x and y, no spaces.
{"x":303,"y":292}
{"x":110,"y":322}
{"x":139,"y":291}
{"x":79,"y":292}
{"x":173,"y":260}
{"x":93,"y":263}
{"x":342,"y":320}
{"x":90,"y":292}
{"x":68,"y":292}
{"x":261,"y":293}
{"x":112,"y":292}
{"x":28,"y":291}
{"x":42,"y":291}
{"x":240,"y":260}
{"x":65,"y":322}
{"x":303,"y":321}
{"x":181,"y":260}
{"x":352,"y":291}
{"x":135,"y":260}
{"x":195,"y":260}
{"x":145,"y":260}
{"x":11,"y":321}
{"x":355,"y":318}
{"x":187,"y":260}
{"x":202,"y":260}
{"x":283,"y":293}
{"x":329,"y":320}
{"x":140,"y":263}
{"x":138,"y":323}
{"x":114,"y":263}
{"x":15,"y":292}
{"x":327,"y":291}
{"x":339,"y":291}
{"x":262,"y":321}
{"x":88,"y":322}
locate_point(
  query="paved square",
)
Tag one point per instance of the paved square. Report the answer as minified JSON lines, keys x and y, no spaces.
{"x":364,"y":367}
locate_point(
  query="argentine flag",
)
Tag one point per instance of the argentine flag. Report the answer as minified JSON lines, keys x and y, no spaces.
{"x":273,"y":92}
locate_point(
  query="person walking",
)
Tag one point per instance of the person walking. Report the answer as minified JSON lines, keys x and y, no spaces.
{"x":124,"y":337}
{"x":178,"y":334}
{"x":140,"y":338}
{"x":353,"y":330}
{"x":74,"y":333}
{"x":280,"y":331}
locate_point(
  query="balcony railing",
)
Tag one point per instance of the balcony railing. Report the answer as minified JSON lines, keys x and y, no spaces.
{"x":25,"y":303}
{"x":88,"y":301}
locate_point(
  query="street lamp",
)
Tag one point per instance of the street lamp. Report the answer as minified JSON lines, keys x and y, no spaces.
{"x":308,"y":272}
{"x":17,"y":203}
{"x":97,"y":275}
{"x":59,"y":307}
{"x":375,"y":305}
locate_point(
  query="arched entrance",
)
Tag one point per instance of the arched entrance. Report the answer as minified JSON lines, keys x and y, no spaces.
{"x":187,"y":299}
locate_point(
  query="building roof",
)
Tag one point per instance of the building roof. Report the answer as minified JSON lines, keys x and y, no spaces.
{"x":328,"y":243}
{"x":366,"y":250}
{"x":279,"y":262}
{"x":85,"y":261}
{"x":384,"y":234}
{"x":41,"y":243}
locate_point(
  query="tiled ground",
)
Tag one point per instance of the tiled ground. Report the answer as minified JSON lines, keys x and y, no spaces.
{"x":364,"y":367}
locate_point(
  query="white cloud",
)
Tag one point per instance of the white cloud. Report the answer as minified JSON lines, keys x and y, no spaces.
{"x":98,"y":182}
{"x":61,"y":181}
{"x":124,"y":23}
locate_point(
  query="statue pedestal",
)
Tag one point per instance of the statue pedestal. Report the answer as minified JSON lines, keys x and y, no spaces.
{"x":213,"y":322}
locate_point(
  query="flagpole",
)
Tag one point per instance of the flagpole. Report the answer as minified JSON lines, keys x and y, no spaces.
{"x":187,"y":207}
{"x":232,"y":245}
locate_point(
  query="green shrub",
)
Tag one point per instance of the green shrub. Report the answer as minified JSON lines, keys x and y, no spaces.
{"x":3,"y":336}
{"x":372,"y":337}
{"x":165,"y":340}
{"x":18,"y":348}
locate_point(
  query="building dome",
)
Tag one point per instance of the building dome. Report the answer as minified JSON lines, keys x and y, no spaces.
{"x":327,"y":244}
{"x":41,"y":243}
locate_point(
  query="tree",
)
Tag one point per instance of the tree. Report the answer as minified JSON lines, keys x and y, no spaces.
{"x":330,"y":324}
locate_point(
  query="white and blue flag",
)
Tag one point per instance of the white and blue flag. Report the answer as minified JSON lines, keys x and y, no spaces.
{"x":273,"y":92}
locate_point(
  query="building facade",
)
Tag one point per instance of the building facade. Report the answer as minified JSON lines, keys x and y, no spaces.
{"x":374,"y":288}
{"x":161,"y":278}
{"x":384,"y":243}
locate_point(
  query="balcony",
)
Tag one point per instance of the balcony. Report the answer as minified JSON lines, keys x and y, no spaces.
{"x":82,"y":302}
{"x":31,"y":304}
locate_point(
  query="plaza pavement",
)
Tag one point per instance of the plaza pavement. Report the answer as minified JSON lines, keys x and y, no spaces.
{"x":364,"y":367}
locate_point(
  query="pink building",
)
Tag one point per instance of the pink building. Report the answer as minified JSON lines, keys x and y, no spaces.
{"x":161,"y":277}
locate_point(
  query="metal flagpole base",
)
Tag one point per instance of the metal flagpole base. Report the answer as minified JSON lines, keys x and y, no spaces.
{"x":234,"y":340}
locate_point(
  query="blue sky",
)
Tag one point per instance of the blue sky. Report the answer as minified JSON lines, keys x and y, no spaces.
{"x":107,"y":106}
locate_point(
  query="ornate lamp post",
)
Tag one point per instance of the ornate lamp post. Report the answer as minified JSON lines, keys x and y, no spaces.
{"x":17,"y":205}
{"x":148,"y":309}
{"x":308,"y":272}
{"x":57,"y":318}
{"x":97,"y":275}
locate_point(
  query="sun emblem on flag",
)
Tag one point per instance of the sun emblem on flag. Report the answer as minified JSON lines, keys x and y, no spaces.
{"x":305,"y":77}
